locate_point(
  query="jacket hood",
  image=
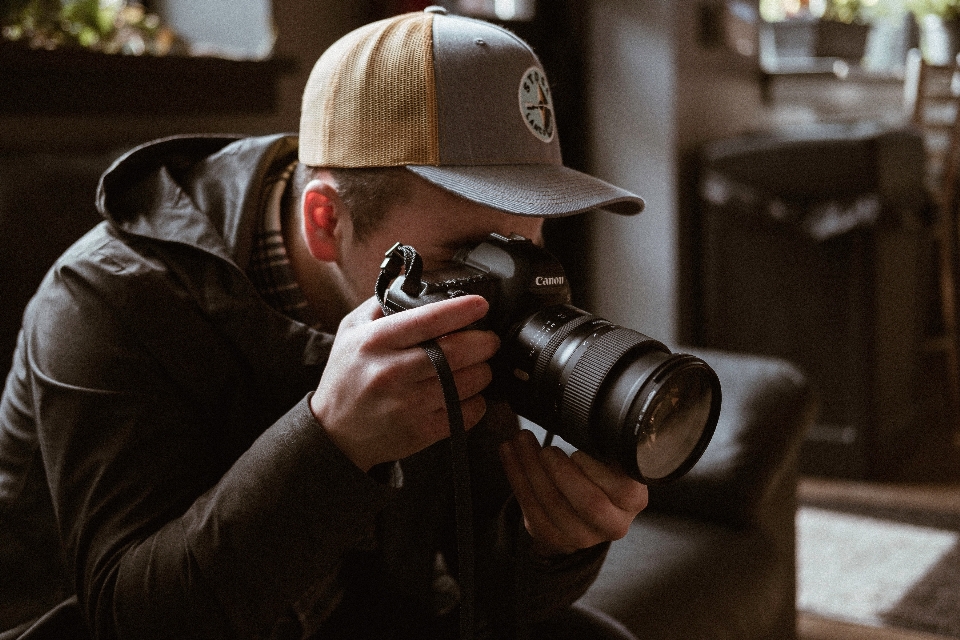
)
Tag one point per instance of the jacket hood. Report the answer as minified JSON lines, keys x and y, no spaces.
{"x":202,"y":191}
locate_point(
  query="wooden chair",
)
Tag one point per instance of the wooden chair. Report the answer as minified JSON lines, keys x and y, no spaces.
{"x":932,"y":97}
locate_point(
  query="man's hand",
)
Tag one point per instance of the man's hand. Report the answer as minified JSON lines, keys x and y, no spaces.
{"x":379,"y":398}
{"x":569,"y":503}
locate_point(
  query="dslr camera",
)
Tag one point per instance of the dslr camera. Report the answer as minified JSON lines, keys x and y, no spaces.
{"x":618,"y":395}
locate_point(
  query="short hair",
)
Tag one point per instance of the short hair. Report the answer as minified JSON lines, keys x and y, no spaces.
{"x":367,"y":193}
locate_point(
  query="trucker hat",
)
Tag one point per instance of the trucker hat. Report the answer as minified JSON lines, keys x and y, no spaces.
{"x":461,"y":102}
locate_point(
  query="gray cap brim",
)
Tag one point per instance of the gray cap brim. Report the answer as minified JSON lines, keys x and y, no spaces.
{"x":531,"y":189}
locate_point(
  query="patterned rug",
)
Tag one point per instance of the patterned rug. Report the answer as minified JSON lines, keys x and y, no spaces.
{"x":880,"y":567}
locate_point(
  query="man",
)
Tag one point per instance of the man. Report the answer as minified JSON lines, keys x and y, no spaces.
{"x":211,"y":404}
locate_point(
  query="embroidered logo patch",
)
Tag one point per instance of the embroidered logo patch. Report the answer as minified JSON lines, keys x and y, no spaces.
{"x":536,"y":105}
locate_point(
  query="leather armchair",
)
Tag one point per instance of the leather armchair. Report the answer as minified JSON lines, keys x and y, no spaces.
{"x":713,"y":555}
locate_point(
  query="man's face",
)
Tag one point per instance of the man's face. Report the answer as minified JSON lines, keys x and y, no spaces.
{"x":434,"y":222}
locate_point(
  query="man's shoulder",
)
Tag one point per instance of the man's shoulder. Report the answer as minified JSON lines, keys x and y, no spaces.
{"x":111,"y":304}
{"x":104,"y":269}
{"x":100,"y":255}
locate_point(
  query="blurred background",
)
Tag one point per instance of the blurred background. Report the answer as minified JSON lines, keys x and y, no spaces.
{"x":794,"y":189}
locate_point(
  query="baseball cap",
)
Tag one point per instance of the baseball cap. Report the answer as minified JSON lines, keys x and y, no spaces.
{"x":461,"y":102}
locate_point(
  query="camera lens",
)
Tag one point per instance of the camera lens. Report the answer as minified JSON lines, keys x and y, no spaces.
{"x":614,"y":393}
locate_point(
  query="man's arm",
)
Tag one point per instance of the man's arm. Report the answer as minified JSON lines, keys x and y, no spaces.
{"x":518,"y":580}
{"x":184,"y":511}
{"x":180,"y":507}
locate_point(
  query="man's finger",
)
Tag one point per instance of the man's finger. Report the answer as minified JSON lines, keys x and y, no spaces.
{"x":411,"y":327}
{"x":623,"y":491}
{"x":436,"y":425}
{"x":544,"y":488}
{"x":429,"y":395}
{"x":593,"y":508}
{"x":538,"y":524}
{"x":368,"y":311}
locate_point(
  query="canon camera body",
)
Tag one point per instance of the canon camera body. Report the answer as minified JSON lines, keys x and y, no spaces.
{"x":617,"y":394}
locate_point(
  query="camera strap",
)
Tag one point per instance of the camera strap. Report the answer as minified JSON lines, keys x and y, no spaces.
{"x":401,"y":256}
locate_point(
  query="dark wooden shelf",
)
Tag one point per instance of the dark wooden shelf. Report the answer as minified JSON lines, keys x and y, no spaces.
{"x":80,"y":82}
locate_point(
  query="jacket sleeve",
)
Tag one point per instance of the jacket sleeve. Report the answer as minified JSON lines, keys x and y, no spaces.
{"x":175,"y":525}
{"x":546,"y":587}
{"x":515,"y":584}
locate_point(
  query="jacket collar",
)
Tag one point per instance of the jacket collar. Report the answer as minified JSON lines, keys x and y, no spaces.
{"x":203,"y":191}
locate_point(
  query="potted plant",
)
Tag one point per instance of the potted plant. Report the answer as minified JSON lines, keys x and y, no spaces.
{"x":114,"y":26}
{"x":835,"y":29}
{"x":841,"y":32}
{"x":938,"y":22}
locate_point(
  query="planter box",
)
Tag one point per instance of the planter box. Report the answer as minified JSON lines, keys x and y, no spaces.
{"x":840,"y":40}
{"x":71,"y":81}
{"x":819,"y":39}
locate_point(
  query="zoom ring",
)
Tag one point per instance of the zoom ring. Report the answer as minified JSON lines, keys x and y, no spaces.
{"x":546,"y":355}
{"x":590,"y":372}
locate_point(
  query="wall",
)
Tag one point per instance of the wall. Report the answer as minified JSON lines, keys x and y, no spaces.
{"x":632,"y":136}
{"x":232,"y":28}
{"x":799,"y":100}
{"x":657,"y":90}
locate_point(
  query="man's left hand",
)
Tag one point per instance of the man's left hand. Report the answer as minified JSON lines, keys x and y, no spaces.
{"x":569,"y":503}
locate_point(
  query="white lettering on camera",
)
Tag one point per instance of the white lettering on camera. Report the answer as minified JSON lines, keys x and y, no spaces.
{"x":546,"y":282}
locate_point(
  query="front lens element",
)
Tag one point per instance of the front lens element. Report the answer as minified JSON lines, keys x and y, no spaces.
{"x":671,"y":429}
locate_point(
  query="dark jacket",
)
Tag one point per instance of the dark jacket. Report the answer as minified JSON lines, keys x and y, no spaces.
{"x":157,"y":413}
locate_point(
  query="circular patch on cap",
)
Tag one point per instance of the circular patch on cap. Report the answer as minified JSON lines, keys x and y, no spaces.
{"x":536,"y":104}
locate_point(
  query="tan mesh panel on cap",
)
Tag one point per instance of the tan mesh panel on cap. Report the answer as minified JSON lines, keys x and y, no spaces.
{"x":371,"y":98}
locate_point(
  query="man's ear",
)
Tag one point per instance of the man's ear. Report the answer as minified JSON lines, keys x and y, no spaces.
{"x":322,"y":219}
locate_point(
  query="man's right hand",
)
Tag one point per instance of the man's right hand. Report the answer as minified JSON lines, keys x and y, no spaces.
{"x":379,"y":398}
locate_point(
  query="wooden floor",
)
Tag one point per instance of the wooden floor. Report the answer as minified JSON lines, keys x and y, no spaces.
{"x":943,"y":497}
